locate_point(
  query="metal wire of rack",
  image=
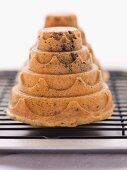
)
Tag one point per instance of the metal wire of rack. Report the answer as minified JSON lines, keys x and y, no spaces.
{"x":114,"y":127}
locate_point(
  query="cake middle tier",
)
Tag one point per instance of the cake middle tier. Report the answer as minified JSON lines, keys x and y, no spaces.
{"x":67,"y":85}
{"x":60,"y":62}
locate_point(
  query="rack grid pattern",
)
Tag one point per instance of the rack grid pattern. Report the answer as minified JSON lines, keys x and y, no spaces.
{"x":114,"y":127}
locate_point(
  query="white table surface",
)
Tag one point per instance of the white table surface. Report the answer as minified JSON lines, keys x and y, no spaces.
{"x":63,"y":161}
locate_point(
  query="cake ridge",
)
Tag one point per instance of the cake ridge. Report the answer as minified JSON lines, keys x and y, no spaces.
{"x":21,"y":103}
{"x":54,"y":66}
{"x":93,"y":68}
{"x":83,"y":88}
{"x":57,"y":82}
{"x":104,"y":88}
{"x":65,"y":39}
{"x":99,"y":78}
{"x":75,"y":53}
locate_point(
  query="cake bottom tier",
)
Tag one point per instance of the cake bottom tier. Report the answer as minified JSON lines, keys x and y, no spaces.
{"x":71,"y":111}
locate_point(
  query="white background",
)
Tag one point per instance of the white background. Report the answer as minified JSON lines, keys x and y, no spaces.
{"x":104,"y":21}
{"x":105,"y":24}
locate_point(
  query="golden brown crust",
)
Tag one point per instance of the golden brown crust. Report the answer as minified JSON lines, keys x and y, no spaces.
{"x":61,"y":19}
{"x":59,"y":39}
{"x":68,"y":19}
{"x":61,"y":111}
{"x":51,"y":95}
{"x":60,"y":62}
{"x":79,"y":87}
{"x":63,"y":121}
{"x":63,"y":57}
{"x":59,"y":82}
{"x":105,"y":75}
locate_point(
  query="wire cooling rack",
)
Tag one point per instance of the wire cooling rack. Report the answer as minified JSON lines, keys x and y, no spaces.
{"x":113,"y":129}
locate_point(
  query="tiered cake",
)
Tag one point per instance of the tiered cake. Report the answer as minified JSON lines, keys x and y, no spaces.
{"x":60,"y":86}
{"x":65,"y":20}
{"x":70,"y":20}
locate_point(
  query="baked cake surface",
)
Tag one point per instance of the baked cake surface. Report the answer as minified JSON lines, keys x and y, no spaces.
{"x":60,"y":87}
{"x":70,"y":20}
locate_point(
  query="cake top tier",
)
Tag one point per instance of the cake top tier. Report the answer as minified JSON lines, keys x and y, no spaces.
{"x":57,"y":39}
{"x":60,"y":19}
